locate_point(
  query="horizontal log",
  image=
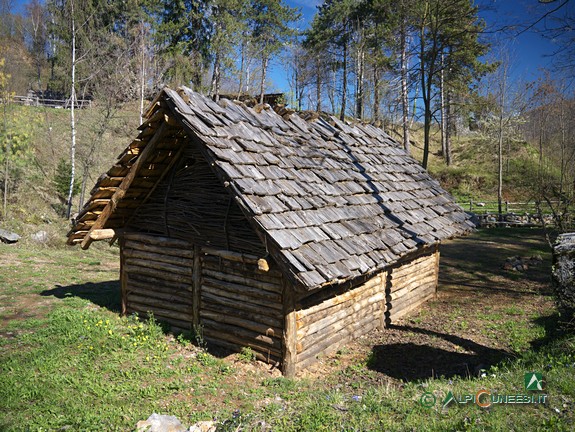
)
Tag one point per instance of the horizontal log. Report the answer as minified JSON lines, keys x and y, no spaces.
{"x":158,"y":257}
{"x":102,"y":234}
{"x":415,"y":273}
{"x":245,"y":281}
{"x":260,"y":314}
{"x":230,"y":255}
{"x":311,"y":340}
{"x":402,"y":289}
{"x":412,"y":267}
{"x":413,"y":297}
{"x":372,"y":285}
{"x":247,"y":324}
{"x":239,"y":269}
{"x":157,"y":249}
{"x":159,"y":240}
{"x":160,"y":284}
{"x":172,"y":296}
{"x":239,"y":298}
{"x":313,"y":323}
{"x":159,"y":274}
{"x":393,"y":316}
{"x":328,"y":307}
{"x":242,"y":289}
{"x":159,"y":303}
{"x":162,"y":314}
{"x":165,"y":267}
{"x":237,"y":345}
{"x":343,"y":317}
{"x":336,"y":340}
{"x":242,"y":334}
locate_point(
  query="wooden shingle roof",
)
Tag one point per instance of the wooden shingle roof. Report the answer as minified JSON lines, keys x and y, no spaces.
{"x":331,"y":200}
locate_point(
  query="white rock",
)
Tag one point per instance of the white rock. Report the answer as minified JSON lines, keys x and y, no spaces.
{"x":203,"y":426}
{"x":40,"y":237}
{"x":160,"y":423}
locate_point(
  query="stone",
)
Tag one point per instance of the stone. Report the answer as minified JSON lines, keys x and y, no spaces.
{"x":160,"y":423}
{"x":8,"y":236}
{"x":203,"y":426}
{"x":40,"y":237}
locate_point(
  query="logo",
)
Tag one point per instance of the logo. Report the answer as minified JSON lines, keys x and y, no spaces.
{"x":448,"y":399}
{"x":485,"y":398}
{"x":427,"y":400}
{"x":533,"y":381}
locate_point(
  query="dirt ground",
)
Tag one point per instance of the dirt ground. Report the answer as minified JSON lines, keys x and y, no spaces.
{"x":481,"y":315}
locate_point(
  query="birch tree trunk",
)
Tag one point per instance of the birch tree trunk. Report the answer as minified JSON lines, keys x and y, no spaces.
{"x":215,"y":90}
{"x":265,"y":60}
{"x":242,"y":67}
{"x":359,"y":92}
{"x":442,"y":107}
{"x":404,"y":93}
{"x":142,"y":73}
{"x":7,"y":162}
{"x":344,"y":84}
{"x":448,"y":128}
{"x":318,"y":85}
{"x":72,"y":117}
{"x":500,"y":144}
{"x":376,"y":94}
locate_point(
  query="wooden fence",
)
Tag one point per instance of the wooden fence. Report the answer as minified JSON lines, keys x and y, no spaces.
{"x":486,"y":213}
{"x":51,"y":103}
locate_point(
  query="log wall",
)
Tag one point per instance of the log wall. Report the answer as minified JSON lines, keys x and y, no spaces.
{"x":324,"y":327}
{"x":412,"y":283}
{"x":240,"y":305}
{"x":234,"y":303}
{"x":237,"y":305}
{"x":157,"y":277}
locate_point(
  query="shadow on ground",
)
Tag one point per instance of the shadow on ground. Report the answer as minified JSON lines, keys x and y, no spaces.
{"x":105,"y":294}
{"x":476,"y":262}
{"x":412,"y":361}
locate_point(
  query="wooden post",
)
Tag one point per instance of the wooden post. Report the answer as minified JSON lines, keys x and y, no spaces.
{"x":123,"y":276}
{"x":289,"y":348}
{"x":196,"y":287}
{"x":436,"y":268}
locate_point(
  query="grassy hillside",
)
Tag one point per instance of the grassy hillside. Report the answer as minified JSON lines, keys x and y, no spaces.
{"x":33,"y":202}
{"x":473,"y":172}
{"x":102,"y":134}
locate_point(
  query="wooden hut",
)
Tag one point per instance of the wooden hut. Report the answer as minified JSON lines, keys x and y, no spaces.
{"x":290,"y":234}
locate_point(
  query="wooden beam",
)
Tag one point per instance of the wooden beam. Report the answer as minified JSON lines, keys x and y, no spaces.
{"x":196,"y":287}
{"x":102,"y":234}
{"x":123,"y":277}
{"x":289,"y":340}
{"x":124,"y":186}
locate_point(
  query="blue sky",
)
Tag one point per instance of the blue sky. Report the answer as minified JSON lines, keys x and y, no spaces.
{"x":529,"y":51}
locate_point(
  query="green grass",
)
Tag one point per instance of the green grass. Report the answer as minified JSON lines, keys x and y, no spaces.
{"x":68,"y":361}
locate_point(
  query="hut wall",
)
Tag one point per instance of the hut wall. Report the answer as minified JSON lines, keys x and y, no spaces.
{"x":156,"y":276}
{"x":411,"y":283}
{"x":325,"y":326}
{"x":233,"y":303}
{"x":240,"y":305}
